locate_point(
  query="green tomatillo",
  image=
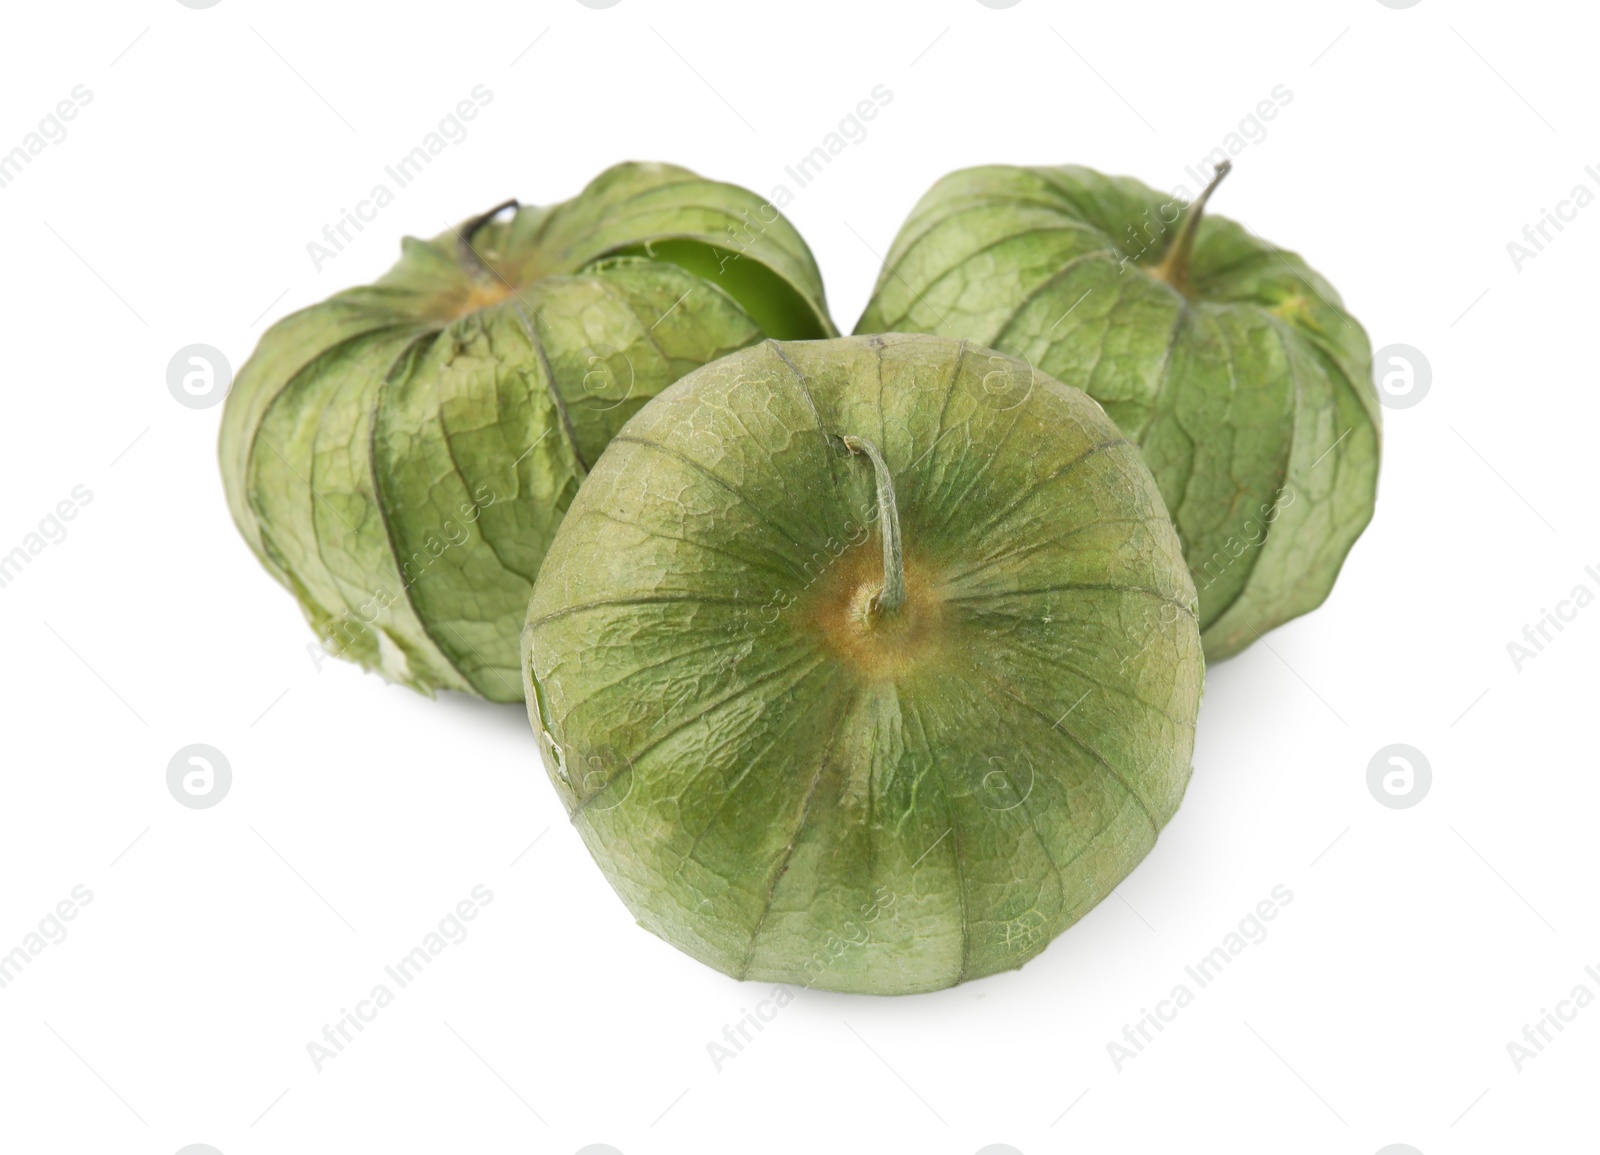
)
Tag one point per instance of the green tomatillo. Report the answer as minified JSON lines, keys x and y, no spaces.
{"x":1232,"y":364}
{"x":867,"y":664}
{"x":399,"y":455}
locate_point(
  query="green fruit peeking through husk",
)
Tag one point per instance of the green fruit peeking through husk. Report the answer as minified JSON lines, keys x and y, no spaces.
{"x":399,"y":455}
{"x":1230,"y":362}
{"x":867,"y":664}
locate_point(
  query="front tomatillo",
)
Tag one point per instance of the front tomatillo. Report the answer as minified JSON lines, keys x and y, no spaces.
{"x":867,"y":664}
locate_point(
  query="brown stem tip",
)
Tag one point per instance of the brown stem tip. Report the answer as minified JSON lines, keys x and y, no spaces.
{"x":1174,"y":266}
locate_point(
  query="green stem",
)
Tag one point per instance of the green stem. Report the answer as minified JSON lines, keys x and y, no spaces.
{"x":1174,"y":266}
{"x":893,"y":594}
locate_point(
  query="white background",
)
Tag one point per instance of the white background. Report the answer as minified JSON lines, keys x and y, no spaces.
{"x":219,"y":942}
